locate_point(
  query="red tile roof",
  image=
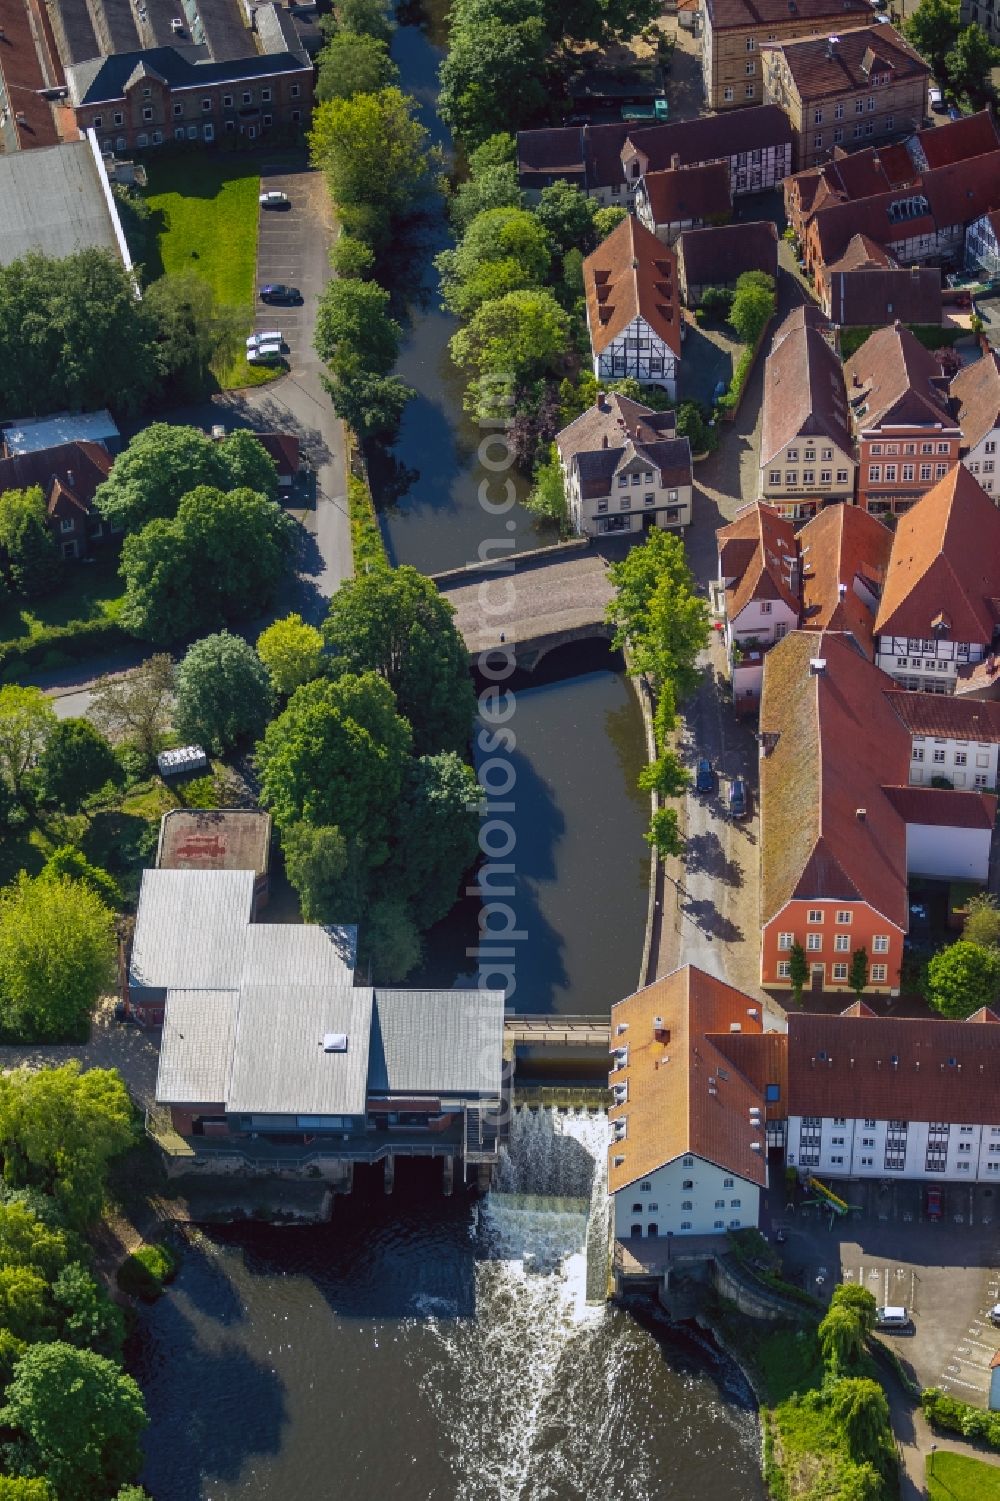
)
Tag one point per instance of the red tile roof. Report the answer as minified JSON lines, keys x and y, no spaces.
{"x":686,"y":1094}
{"x":33,"y":122}
{"x":751,"y":549}
{"x":821,"y":66}
{"x":67,"y":475}
{"x":696,"y":193}
{"x":804,"y":393}
{"x":942,"y":716}
{"x":869,"y":297}
{"x":945,"y":558}
{"x":842,"y":546}
{"x":709,"y":138}
{"x":899,"y":380}
{"x":862,"y":254}
{"x":976,"y":388}
{"x":631,"y":275}
{"x":893,"y":1068}
{"x":959,"y":139}
{"x":747,"y":15}
{"x":944,"y":807}
{"x":721,"y":252}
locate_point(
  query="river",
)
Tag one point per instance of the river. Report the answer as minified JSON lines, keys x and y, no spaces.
{"x":444,"y":1349}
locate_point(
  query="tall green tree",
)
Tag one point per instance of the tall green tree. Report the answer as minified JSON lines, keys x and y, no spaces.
{"x":77,"y":1421}
{"x":353,"y":326}
{"x":20,"y":1488}
{"x":437,"y":837}
{"x":223,"y":692}
{"x":317,"y":863}
{"x":932,"y":28}
{"x":982,"y":922}
{"x":396,"y":623}
{"x":220,"y":559}
{"x":66,"y":862}
{"x":503,"y":250}
{"x":354,"y":63}
{"x":77,"y":762}
{"x":137,"y":706}
{"x":969,"y":65}
{"x":365,"y":18}
{"x":292,"y":652}
{"x":192,"y":331}
{"x":859,"y":1300}
{"x":56,"y":957}
{"x":27,"y":720}
{"x":752,"y":307}
{"x":548,"y":493}
{"x":522,"y":335}
{"x":841,"y":1337}
{"x":376,"y":159}
{"x":492,"y":181}
{"x":86,"y":1315}
{"x":27,"y":1240}
{"x":31,"y":559}
{"x":247,"y":464}
{"x":494,"y":76}
{"x":963,"y":977}
{"x":389,"y":940}
{"x":858,"y":976}
{"x":567,"y":216}
{"x":658,"y":617}
{"x":162,"y":463}
{"x":798,"y":971}
{"x":336,"y":756}
{"x":860,"y":1406}
{"x":60,"y":1128}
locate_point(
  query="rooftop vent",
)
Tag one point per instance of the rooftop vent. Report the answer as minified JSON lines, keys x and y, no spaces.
{"x":755,"y":1146}
{"x":335,"y":1042}
{"x":861,"y":814}
{"x":735,"y":1027}
{"x":842,"y":591}
{"x":752,"y":1011}
{"x":817,"y":666}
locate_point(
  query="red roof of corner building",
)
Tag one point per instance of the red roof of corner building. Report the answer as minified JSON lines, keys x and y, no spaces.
{"x":826,"y":65}
{"x":942,"y":716}
{"x":869,"y":296}
{"x":943,"y":1070}
{"x":743,"y":15}
{"x":751,"y":549}
{"x":678,"y":1038}
{"x":900,"y":381}
{"x":67,"y":475}
{"x":959,"y":140}
{"x":976,"y":389}
{"x":631,"y":275}
{"x":804,"y":394}
{"x":845,"y":545}
{"x":831,"y":744}
{"x":33,"y":121}
{"x":945,"y":560}
{"x":943,"y":807}
{"x":682,"y":193}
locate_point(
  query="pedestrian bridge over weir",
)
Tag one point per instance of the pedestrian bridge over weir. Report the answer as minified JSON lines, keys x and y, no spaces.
{"x":556,"y":1031}
{"x":536,"y":601}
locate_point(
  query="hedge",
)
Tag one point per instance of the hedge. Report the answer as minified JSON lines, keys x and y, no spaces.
{"x":144,"y":1273}
{"x":942,"y":1411}
{"x":366,"y":534}
{"x":930,"y":335}
{"x":53,"y":645}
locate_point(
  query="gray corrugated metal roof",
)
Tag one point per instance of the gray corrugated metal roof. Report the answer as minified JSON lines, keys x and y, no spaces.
{"x":437,"y":1042}
{"x":196,"y":1047}
{"x":53,"y":201}
{"x":299,"y":954}
{"x":191,"y":929}
{"x":279,"y":1064}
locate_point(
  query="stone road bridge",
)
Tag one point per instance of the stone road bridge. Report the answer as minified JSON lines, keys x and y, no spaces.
{"x":536,"y":600}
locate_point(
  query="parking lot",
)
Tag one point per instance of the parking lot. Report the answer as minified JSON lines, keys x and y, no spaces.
{"x":281,"y":247}
{"x":945,"y":1273}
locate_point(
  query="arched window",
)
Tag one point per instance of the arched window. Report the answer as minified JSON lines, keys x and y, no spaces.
{"x":652,"y":1229}
{"x":636,"y":1230}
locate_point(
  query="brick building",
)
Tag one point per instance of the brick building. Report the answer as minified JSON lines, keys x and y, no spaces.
{"x":734,"y":31}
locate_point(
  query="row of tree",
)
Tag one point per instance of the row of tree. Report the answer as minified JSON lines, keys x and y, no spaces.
{"x":961,"y":56}
{"x":71,"y":1419}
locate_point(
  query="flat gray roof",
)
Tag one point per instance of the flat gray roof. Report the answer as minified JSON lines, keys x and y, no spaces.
{"x":54,"y":201}
{"x":191,"y":929}
{"x":437,"y":1042}
{"x":214,"y":839}
{"x":196,"y":1047}
{"x":31,"y":434}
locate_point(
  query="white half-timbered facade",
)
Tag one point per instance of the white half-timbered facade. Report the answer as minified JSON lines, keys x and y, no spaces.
{"x":633,"y":312}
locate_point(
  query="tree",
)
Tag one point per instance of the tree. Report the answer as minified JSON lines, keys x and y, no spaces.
{"x":859,"y":1300}
{"x":374,"y":154}
{"x":365,"y":18}
{"x":841,"y":1337}
{"x":369,"y":404}
{"x":932,"y":28}
{"x":87,"y":1317}
{"x":963,"y":977}
{"x":351,"y":257}
{"x":223,"y":692}
{"x":494,"y":74}
{"x":390,"y":941}
{"x":982,"y":920}
{"x":192,"y":331}
{"x":503,"y":250}
{"x":27,"y":720}
{"x":83,"y":338}
{"x":547,"y":496}
{"x":437,"y":837}
{"x":25,"y":1309}
{"x":353,"y":327}
{"x":606,"y":220}
{"x":19,"y":1488}
{"x":664,"y":833}
{"x":753,"y":306}
{"x":68,"y":863}
{"x":77,"y":761}
{"x":248,"y":464}
{"x":858,"y":977}
{"x":665,"y":776}
{"x":354,"y":63}
{"x":316,"y":863}
{"x":567,"y":216}
{"x":31,"y":560}
{"x":292,"y":653}
{"x":860,"y":1406}
{"x":160,"y":465}
{"x":658,"y":616}
{"x":968,"y":66}
{"x":691,"y":424}
{"x":493,"y":187}
{"x":798,"y":971}
{"x":137,"y":706}
{"x":522,"y":335}
{"x":56,"y":957}
{"x":77,"y":1419}
{"x":26,"y":1240}
{"x":60,"y":1128}
{"x":221,"y":558}
{"x":336,"y":757}
{"x":395,"y":622}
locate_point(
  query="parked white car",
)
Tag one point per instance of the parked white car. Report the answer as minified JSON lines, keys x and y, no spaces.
{"x":272,"y":336}
{"x":265,"y":354}
{"x":273,"y":199}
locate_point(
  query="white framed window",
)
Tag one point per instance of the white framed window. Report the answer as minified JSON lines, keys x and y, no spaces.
{"x":840,"y":971}
{"x":727,"y":95}
{"x":765,"y":607}
{"x":294,"y":91}
{"x":784,"y":969}
{"x":814,"y":942}
{"x":727,"y":1182}
{"x":750,"y":91}
{"x":785,"y":940}
{"x":841,"y":943}
{"x":815,"y":915}
{"x":878,"y":973}
{"x":845,"y":917}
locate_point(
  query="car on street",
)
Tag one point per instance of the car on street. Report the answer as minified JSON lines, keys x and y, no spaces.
{"x":276,"y":291}
{"x":265,"y":354}
{"x":932,"y":1203}
{"x":739,"y":798}
{"x":994,"y":1314}
{"x":893,"y":1317}
{"x":270,"y":336}
{"x":273,"y":199}
{"x":704,"y":776}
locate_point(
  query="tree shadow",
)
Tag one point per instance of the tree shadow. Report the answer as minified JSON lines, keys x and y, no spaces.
{"x":710,"y":921}
{"x":704,"y":852}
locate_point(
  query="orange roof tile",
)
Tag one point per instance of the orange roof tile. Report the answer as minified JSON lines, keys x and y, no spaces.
{"x":804,"y":393}
{"x":685,"y":1093}
{"x":751,"y":549}
{"x":976,"y":388}
{"x":945,"y":557}
{"x":631,"y":275}
{"x":842,"y":546}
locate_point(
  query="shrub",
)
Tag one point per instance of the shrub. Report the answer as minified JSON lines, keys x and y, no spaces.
{"x":146,"y":1271}
{"x":366,"y":535}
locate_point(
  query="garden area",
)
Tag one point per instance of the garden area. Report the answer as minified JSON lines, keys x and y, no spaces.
{"x":87,"y":601}
{"x":955,"y":1477}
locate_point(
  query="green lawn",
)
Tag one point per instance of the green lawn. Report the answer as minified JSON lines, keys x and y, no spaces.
{"x":89,"y":591}
{"x":953,"y":1477}
{"x":204,"y":215}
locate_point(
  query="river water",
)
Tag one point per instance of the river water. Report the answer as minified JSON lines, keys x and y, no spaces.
{"x":444,"y":1349}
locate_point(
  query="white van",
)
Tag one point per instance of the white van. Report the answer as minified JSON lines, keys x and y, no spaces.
{"x":892,"y":1317}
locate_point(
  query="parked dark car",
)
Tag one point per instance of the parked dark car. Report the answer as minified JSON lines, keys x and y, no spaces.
{"x":704,"y":777}
{"x":932,"y":1204}
{"x":739,"y":798}
{"x":276,"y":291}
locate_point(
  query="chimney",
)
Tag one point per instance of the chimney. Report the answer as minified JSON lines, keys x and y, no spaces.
{"x":817,"y":666}
{"x":603,"y":404}
{"x":841,"y":591}
{"x":604,"y":441}
{"x":861,"y":814}
{"x":638,"y":431}
{"x":675,"y":162}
